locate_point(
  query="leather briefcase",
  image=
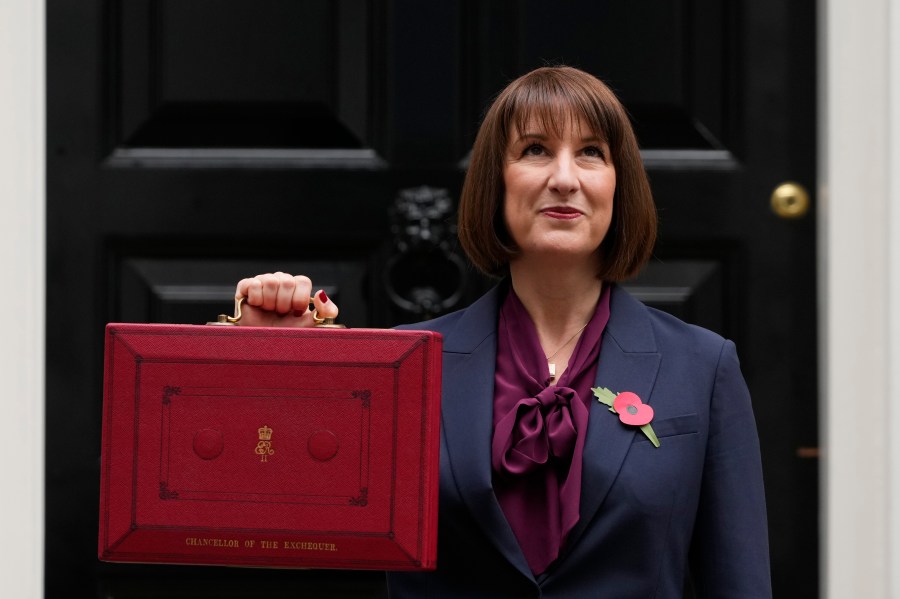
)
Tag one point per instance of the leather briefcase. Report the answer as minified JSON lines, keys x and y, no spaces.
{"x":270,"y":447}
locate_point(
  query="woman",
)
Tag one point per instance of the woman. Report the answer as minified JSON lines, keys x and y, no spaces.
{"x":546,"y":489}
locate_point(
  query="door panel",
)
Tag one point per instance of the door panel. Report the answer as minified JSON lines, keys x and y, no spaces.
{"x":191,"y":144}
{"x":230,"y":77}
{"x":672,"y":63}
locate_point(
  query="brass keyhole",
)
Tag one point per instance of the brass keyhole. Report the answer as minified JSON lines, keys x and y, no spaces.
{"x":790,"y":200}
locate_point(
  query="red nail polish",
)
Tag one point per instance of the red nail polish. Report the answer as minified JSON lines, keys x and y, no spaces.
{"x":322,"y":297}
{"x":299,"y":312}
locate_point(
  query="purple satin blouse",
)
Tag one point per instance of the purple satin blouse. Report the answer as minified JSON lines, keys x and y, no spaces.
{"x":540,"y":430}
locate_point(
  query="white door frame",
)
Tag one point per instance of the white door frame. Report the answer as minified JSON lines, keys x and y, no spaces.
{"x":859,"y":267}
{"x":22,"y":236}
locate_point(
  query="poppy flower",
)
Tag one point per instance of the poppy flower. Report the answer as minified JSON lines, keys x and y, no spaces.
{"x":631,"y":410}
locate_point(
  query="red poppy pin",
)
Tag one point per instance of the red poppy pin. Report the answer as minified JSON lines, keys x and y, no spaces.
{"x":631,"y":410}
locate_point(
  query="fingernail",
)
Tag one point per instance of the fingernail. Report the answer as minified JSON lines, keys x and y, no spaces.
{"x":322,"y":297}
{"x":299,"y":312}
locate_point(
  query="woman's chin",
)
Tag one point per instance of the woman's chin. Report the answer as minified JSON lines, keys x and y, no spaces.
{"x":565,"y":254}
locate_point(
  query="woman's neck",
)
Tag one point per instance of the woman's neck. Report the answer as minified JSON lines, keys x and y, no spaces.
{"x":559,"y":300}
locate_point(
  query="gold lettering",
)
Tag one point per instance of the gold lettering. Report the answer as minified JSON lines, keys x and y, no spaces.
{"x":308,"y":546}
{"x":251,"y":543}
{"x":203,"y":542}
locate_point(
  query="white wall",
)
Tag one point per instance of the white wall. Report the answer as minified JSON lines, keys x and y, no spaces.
{"x":859,"y":254}
{"x":893,"y":200}
{"x":22,"y":275}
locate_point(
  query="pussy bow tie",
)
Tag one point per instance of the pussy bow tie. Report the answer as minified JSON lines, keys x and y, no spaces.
{"x":538,"y":429}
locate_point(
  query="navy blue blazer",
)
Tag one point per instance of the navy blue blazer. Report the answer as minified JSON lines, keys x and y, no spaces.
{"x":647,"y":514}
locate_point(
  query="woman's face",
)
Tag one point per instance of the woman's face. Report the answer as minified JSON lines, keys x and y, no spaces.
{"x":559,"y":191}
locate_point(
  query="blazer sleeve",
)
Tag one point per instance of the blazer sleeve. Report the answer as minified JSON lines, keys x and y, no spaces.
{"x":729,"y":552}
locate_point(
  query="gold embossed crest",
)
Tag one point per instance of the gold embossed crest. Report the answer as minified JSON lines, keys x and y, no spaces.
{"x":264,"y":446}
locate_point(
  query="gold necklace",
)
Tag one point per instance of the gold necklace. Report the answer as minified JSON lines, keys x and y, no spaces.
{"x":550,"y":365}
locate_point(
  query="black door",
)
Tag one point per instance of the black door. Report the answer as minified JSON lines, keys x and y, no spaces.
{"x":193,"y":143}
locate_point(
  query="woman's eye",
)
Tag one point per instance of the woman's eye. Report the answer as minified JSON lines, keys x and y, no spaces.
{"x":593,"y":152}
{"x":534,"y":150}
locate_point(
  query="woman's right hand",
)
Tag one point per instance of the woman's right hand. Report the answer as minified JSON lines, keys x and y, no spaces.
{"x":281,"y":300}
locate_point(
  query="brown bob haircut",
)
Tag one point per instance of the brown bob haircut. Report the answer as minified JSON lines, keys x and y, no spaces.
{"x":556,"y":97}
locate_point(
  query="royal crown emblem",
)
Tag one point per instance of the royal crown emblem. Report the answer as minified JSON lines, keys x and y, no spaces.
{"x":264,"y":446}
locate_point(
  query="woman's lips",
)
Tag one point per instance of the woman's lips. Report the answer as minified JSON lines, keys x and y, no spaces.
{"x":561,"y":212}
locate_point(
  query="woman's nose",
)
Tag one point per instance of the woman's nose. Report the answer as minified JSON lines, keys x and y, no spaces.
{"x":564,"y":178}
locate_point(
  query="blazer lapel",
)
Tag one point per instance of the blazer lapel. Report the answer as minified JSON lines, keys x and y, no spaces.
{"x":629,"y":361}
{"x":470,"y":351}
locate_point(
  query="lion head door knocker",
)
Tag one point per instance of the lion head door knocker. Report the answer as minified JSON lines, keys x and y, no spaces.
{"x":423,"y":276}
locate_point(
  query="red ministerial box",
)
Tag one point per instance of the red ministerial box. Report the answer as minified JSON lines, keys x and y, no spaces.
{"x":270,"y":447}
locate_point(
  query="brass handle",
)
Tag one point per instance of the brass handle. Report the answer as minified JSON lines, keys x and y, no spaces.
{"x":790,"y":200}
{"x":226,"y":320}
